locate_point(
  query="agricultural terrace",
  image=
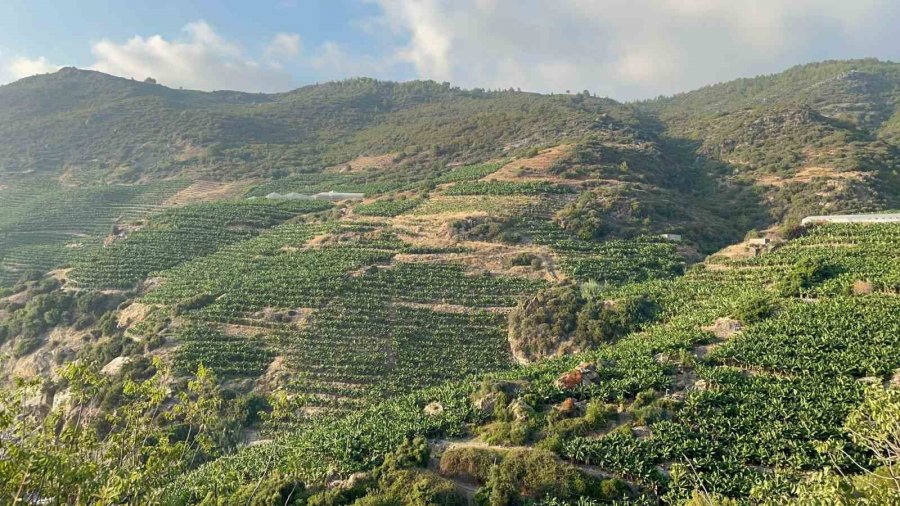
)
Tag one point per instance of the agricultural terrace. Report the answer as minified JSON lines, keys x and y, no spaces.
{"x":44,"y":224}
{"x":180,"y":234}
{"x":692,"y":401}
{"x":369,"y":184}
{"x":344,"y":319}
{"x":342,"y":310}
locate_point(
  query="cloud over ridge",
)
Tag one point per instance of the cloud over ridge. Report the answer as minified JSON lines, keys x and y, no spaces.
{"x":202,"y":60}
{"x":624,"y":49}
{"x":629,"y":48}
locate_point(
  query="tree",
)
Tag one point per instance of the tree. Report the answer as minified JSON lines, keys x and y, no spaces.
{"x":875,"y":426}
{"x":63,"y":454}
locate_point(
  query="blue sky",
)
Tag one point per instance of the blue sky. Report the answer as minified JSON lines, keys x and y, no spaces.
{"x":64,"y":30}
{"x":625,"y":49}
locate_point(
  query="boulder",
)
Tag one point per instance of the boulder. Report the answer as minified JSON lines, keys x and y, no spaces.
{"x":641,"y":432}
{"x":486,"y":398}
{"x":352,"y":481}
{"x":520,"y":410}
{"x":434,"y":409}
{"x":487,"y":403}
{"x":584,"y":374}
{"x":61,"y":400}
{"x":662,"y":358}
{"x":356,"y":478}
{"x":570,"y":407}
{"x":569,"y":380}
{"x":724,"y":328}
{"x":115,"y":365}
{"x":588,"y":373}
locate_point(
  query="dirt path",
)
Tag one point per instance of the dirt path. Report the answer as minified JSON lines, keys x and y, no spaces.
{"x":468,"y":489}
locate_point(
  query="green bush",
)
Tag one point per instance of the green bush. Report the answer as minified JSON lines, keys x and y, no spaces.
{"x":563,"y":317}
{"x":805,"y":274}
{"x":755,"y":309}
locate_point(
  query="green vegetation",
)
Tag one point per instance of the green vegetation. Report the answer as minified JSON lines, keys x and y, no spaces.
{"x":44,"y":224}
{"x":496,"y":205}
{"x":570,"y":318}
{"x":741,"y":420}
{"x":153,"y":437}
{"x":387,"y":207}
{"x":347,"y":321}
{"x":450,"y":338}
{"x":837,"y":115}
{"x":469,"y":173}
{"x":505,"y":188}
{"x":178,"y":235}
{"x":126,"y":128}
{"x":232,"y":356}
{"x":511,"y":477}
{"x":26,"y":324}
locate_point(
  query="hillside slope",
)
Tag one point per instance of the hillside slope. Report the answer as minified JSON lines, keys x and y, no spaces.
{"x":732,"y":391}
{"x":530,"y":288}
{"x":819,"y":136}
{"x":86,"y":121}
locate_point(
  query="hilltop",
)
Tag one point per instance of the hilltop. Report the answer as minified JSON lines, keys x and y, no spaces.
{"x":823,"y":135}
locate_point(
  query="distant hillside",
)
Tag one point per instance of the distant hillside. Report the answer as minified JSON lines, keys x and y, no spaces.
{"x":819,"y":136}
{"x":82,"y":120}
{"x":710,"y":164}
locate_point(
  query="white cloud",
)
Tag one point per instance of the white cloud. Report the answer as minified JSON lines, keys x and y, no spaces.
{"x":332,"y":61}
{"x":620,"y":48}
{"x":19,"y":67}
{"x":629,"y":48}
{"x":202,"y":60}
{"x":284,"y":47}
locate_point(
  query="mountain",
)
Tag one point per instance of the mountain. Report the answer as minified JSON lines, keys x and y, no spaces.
{"x":819,"y":136}
{"x":82,"y":119}
{"x":497,"y":296}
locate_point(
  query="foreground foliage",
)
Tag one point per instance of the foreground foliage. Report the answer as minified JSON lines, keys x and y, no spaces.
{"x":75,"y":455}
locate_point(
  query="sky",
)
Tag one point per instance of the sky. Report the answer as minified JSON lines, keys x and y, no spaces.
{"x":623,"y":49}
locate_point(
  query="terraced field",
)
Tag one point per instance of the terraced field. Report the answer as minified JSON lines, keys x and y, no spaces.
{"x":334,"y":312}
{"x":337,"y":308}
{"x":342,"y":308}
{"x":175,"y":236}
{"x":44,"y":224}
{"x":745,"y":412}
{"x":505,"y":317}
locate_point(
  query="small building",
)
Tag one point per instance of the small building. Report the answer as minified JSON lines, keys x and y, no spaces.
{"x":288,"y":196}
{"x":671,"y":237}
{"x":852,"y":218}
{"x":759,"y":245}
{"x":335,"y":196}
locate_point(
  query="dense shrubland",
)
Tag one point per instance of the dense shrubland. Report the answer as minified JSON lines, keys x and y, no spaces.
{"x":572,"y":318}
{"x":25,"y":324}
{"x":80,"y":453}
